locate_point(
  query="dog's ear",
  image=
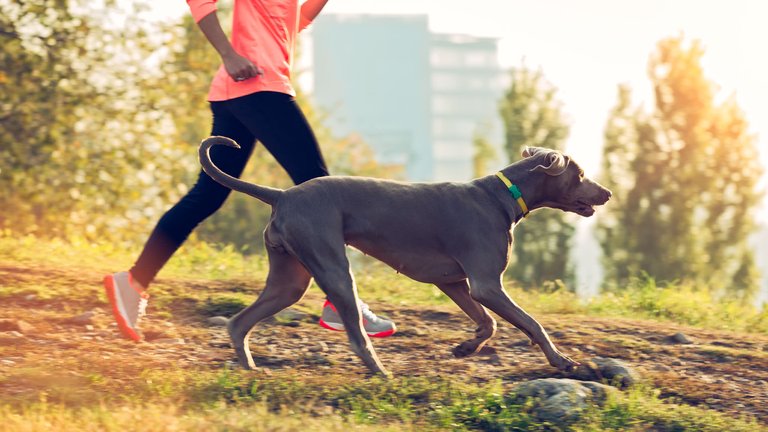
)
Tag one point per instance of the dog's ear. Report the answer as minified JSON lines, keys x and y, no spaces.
{"x":532,"y":151}
{"x":556,"y":163}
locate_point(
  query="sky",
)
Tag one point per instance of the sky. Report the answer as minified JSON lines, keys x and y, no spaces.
{"x":587,"y":48}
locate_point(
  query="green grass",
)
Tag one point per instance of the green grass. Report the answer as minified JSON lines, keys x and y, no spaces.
{"x":683,"y":303}
{"x":232,"y":400}
{"x":88,"y":398}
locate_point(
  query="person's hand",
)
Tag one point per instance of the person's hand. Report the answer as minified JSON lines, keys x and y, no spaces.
{"x":240,"y":68}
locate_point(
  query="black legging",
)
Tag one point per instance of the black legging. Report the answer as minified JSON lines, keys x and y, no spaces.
{"x":275,"y":120}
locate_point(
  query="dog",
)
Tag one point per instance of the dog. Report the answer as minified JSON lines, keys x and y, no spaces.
{"x":457,"y":236}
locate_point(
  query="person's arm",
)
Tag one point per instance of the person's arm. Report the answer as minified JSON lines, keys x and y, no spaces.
{"x":309,"y":11}
{"x":237,"y":66}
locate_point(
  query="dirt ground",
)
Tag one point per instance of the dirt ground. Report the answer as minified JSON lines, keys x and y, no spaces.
{"x":724,"y":371}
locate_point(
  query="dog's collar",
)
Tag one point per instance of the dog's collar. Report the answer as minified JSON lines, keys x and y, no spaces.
{"x":514,"y":191}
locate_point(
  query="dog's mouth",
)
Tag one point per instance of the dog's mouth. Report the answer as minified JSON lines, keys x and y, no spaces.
{"x":583,"y":208}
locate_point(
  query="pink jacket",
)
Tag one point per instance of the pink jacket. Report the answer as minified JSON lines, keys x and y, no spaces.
{"x":263,"y":31}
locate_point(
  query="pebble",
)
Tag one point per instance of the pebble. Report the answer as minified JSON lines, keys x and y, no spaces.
{"x":84,"y":318}
{"x":8,"y":362}
{"x":16,"y":325}
{"x":30,"y":297}
{"x":169,"y":341}
{"x":680,"y":338}
{"x":319,"y":347}
{"x":218,"y":321}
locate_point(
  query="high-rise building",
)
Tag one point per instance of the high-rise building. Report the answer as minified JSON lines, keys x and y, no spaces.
{"x":416,"y":98}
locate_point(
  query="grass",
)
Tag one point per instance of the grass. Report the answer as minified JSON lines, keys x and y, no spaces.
{"x":86,"y":394}
{"x":229,"y":400}
{"x":684,"y":304}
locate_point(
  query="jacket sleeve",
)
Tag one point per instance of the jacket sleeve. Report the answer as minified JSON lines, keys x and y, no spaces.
{"x":304,"y":22}
{"x":201,"y":8}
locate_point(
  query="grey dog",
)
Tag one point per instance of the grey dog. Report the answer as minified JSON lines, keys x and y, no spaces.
{"x":457,"y":236}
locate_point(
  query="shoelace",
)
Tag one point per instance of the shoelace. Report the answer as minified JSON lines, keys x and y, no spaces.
{"x":367,"y":314}
{"x":142,"y":306}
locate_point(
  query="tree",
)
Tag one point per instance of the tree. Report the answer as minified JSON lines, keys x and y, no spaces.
{"x":75,"y":132}
{"x":684,"y":179}
{"x":533,"y":116}
{"x":483,"y":153}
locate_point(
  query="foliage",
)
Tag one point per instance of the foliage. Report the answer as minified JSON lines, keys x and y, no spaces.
{"x":533,"y":117}
{"x":483,"y":153}
{"x":684,"y":179}
{"x":76,"y":130}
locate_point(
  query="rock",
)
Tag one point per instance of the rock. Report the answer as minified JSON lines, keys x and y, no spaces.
{"x":25,"y":327}
{"x":661,"y":368}
{"x":30,"y":297}
{"x":557,"y":334}
{"x":7,"y":362}
{"x":82,"y":319}
{"x":680,"y":338}
{"x":154,"y":335}
{"x":561,"y":401}
{"x":319,"y":347}
{"x":16,"y":325}
{"x":677,"y":363}
{"x":169,"y":341}
{"x":290,"y":315}
{"x":218,"y":321}
{"x":609,"y":370}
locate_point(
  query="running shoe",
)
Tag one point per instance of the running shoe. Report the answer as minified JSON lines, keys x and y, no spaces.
{"x":129,"y":303}
{"x":375,"y":326}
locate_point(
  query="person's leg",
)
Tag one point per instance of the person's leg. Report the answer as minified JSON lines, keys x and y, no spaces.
{"x":125,"y":290}
{"x":205,"y":197}
{"x":279,"y":124}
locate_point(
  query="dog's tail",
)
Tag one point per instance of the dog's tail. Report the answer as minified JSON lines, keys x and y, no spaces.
{"x":267,"y":194}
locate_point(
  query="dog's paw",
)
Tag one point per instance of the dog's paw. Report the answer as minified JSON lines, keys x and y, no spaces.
{"x":465,"y":349}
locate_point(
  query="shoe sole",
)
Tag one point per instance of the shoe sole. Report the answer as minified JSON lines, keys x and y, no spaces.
{"x":122,"y":324}
{"x":340,"y":327}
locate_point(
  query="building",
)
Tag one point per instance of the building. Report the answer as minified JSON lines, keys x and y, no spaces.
{"x":417,"y":98}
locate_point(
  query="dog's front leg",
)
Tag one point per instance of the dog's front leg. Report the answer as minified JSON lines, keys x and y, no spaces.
{"x":486,"y":325}
{"x":491,"y":294}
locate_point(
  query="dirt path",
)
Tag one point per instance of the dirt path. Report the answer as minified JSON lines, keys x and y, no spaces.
{"x":724,"y":371}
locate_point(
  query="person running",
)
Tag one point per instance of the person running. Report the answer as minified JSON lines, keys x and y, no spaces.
{"x":251,"y":98}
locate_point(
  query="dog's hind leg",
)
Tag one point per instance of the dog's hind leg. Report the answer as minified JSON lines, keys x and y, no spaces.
{"x":287,"y":282}
{"x":490,"y":293}
{"x":330,"y":267}
{"x":486,"y":325}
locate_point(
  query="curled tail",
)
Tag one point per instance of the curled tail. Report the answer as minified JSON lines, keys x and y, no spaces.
{"x":266,"y":194}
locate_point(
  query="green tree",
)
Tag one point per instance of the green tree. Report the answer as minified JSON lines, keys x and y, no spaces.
{"x":533,"y":116}
{"x":74,"y":129}
{"x":483,"y":153}
{"x":684,"y":179}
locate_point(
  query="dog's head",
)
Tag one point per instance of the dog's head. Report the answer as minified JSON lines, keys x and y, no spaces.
{"x":564,"y":185}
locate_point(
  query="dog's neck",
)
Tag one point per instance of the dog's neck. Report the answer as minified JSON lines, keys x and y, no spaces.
{"x":529,"y":184}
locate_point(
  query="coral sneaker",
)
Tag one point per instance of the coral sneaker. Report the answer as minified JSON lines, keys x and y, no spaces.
{"x":374,"y":325}
{"x":129,"y":302}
